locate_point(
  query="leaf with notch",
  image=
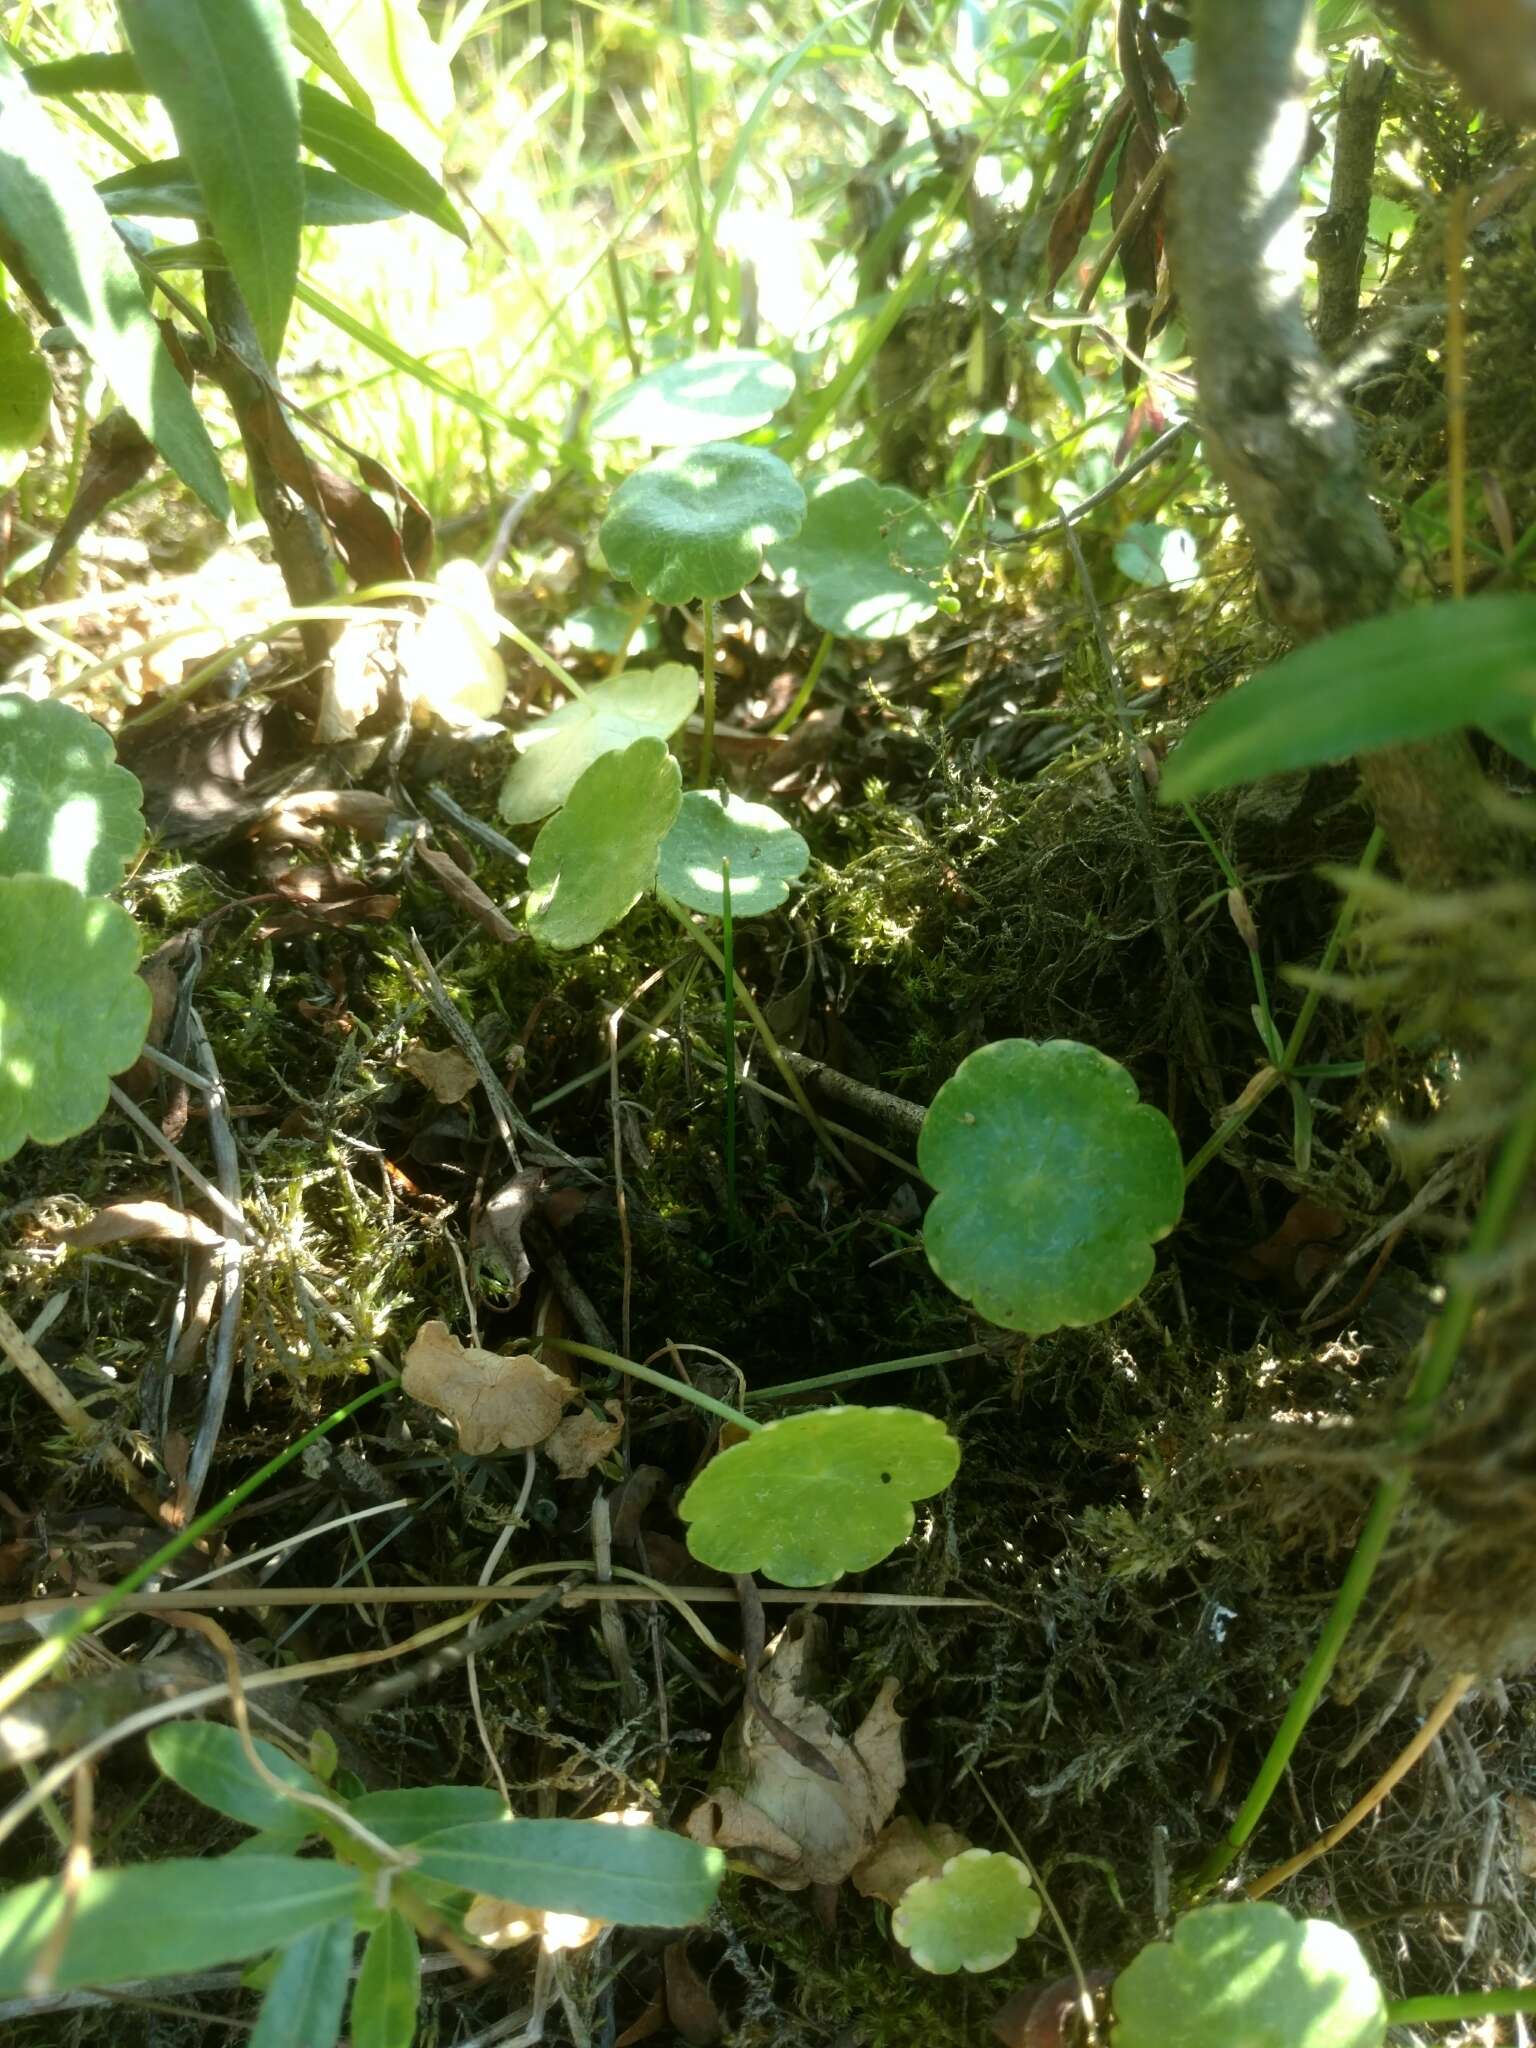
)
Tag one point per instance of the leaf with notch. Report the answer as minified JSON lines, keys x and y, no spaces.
{"x":637,"y":1877}
{"x":695,"y":522}
{"x":765,"y":852}
{"x":709,"y":397}
{"x":67,"y":239}
{"x":224,"y":69}
{"x":868,"y":558}
{"x":554,"y":753}
{"x":67,"y":808}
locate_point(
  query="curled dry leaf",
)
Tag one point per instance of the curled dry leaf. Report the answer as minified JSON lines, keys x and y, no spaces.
{"x":774,"y":1816}
{"x":143,"y":1222}
{"x":584,"y":1440}
{"x":495,"y":1403}
{"x":467,"y":893}
{"x":448,"y":1076}
{"x":905,"y":1851}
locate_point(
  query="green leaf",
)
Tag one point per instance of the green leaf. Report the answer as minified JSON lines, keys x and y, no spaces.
{"x":26,"y":395}
{"x":159,"y":1919}
{"x":73,"y":1010}
{"x":1516,"y":736}
{"x":695,"y":522}
{"x":360,"y":150}
{"x":166,"y":189}
{"x":1053,"y":1182}
{"x":972,"y":1916}
{"x":388,"y":1990}
{"x":868,"y":558}
{"x":1157,"y":557}
{"x":1249,"y":1976}
{"x":66,"y":808}
{"x":1409,"y":676}
{"x":224,"y":69}
{"x":87,"y":71}
{"x":710,"y":397}
{"x":765,"y":851}
{"x":640,"y":1877}
{"x":63,"y":231}
{"x":403,"y":1817}
{"x":315,"y":46}
{"x":814,"y":1495}
{"x":308,"y":1990}
{"x":556,"y":752}
{"x":208,"y":1761}
{"x":595,"y":859}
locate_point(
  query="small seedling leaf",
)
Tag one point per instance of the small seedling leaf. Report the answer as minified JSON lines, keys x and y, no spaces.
{"x":640,"y":1877}
{"x":1250,"y":1976}
{"x":972,"y":1916}
{"x":1157,"y":557}
{"x":595,"y":859}
{"x":1053,"y":1182}
{"x":695,"y":523}
{"x":1409,"y":676}
{"x":766,"y":854}
{"x":556,"y":752}
{"x":26,"y":395}
{"x":73,"y":1011}
{"x":308,"y":1991}
{"x":388,"y":1990}
{"x":66,"y":808}
{"x":711,"y":397}
{"x":160,"y":1919}
{"x":209,"y":1763}
{"x":815,"y":1495}
{"x":403,"y":1816}
{"x":868,"y":558}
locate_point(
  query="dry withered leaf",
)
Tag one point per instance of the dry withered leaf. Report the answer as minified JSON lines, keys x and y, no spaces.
{"x":448,"y":1076}
{"x":142,"y":1222}
{"x":468,"y":894}
{"x":690,"y":2007}
{"x":495,"y":1403}
{"x":774,"y":1815}
{"x":584,"y":1440}
{"x":1522,"y":1823}
{"x":905,"y":1851}
{"x":1294,"y":1257}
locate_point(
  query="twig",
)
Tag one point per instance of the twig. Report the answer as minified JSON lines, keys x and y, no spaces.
{"x":1133,"y":469}
{"x":1337,"y":244}
{"x":151,"y":1130}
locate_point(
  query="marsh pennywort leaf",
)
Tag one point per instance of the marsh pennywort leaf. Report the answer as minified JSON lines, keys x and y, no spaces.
{"x":66,"y":808}
{"x":1250,"y":1976}
{"x":181,"y":1913}
{"x":765,"y":851}
{"x":308,"y":1990}
{"x":1053,"y":1182}
{"x":868,"y":558}
{"x":972,"y":1916}
{"x":208,"y":1761}
{"x":26,"y":395}
{"x":709,"y":397}
{"x":388,"y":1990}
{"x":73,"y":1010}
{"x":1408,"y":676}
{"x":224,"y":69}
{"x":632,"y":1876}
{"x":1157,"y":557}
{"x":61,"y":227}
{"x":554,"y":753}
{"x":693,"y":525}
{"x":595,"y":859}
{"x":814,"y":1495}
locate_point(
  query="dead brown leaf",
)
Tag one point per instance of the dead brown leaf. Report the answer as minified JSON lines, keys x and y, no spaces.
{"x":775,"y":1815}
{"x":584,"y":1440}
{"x":468,"y":894}
{"x":140,"y":1222}
{"x":690,"y":2007}
{"x":495,"y":1403}
{"x":905,"y":1851}
{"x":1522,"y":1821}
{"x":446,"y":1075}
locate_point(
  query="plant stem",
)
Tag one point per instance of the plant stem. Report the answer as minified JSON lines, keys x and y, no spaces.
{"x":1414,"y":1417}
{"x":866,"y":1372}
{"x":652,"y":1378}
{"x":728,"y":954}
{"x":707,"y":660}
{"x":796,"y":710}
{"x":1462,"y":2005}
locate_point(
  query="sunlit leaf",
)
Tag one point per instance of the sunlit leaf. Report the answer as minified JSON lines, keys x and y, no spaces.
{"x":765,"y":851}
{"x":26,"y":395}
{"x":642,"y":1877}
{"x":166,"y":189}
{"x":66,"y":808}
{"x":362,"y":152}
{"x":595,"y":859}
{"x":694,"y":524}
{"x":868,"y":558}
{"x":710,"y":397}
{"x":556,"y":751}
{"x":972,"y":1916}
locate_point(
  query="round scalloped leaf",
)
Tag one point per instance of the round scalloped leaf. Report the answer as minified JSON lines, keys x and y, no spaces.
{"x":829,"y":1491}
{"x":556,"y":752}
{"x":868,"y":558}
{"x":26,"y":395}
{"x":73,"y":1009}
{"x":972,"y":1916}
{"x":1052,"y":1184}
{"x":66,"y":808}
{"x":710,"y":397}
{"x":695,"y":522}
{"x":765,"y":852}
{"x":595,"y":859}
{"x":1249,"y":1976}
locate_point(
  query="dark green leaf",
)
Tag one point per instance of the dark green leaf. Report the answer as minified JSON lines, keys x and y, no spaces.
{"x":63,"y":231}
{"x":388,"y":1987}
{"x":1410,"y":676}
{"x":302,"y":2008}
{"x":360,"y":150}
{"x":167,"y":189}
{"x":208,"y":1761}
{"x":158,"y":1919}
{"x":224,"y":69}
{"x":633,"y":1876}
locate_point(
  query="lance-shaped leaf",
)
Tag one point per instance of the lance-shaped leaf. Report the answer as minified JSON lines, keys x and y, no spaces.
{"x":595,"y":859}
{"x":66,"y":238}
{"x":224,"y":69}
{"x":641,"y":1877}
{"x":362,"y":151}
{"x":167,"y":190}
{"x":388,"y":1987}
{"x":308,"y":1991}
{"x":66,"y":808}
{"x":694,"y":524}
{"x":868,"y":558}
